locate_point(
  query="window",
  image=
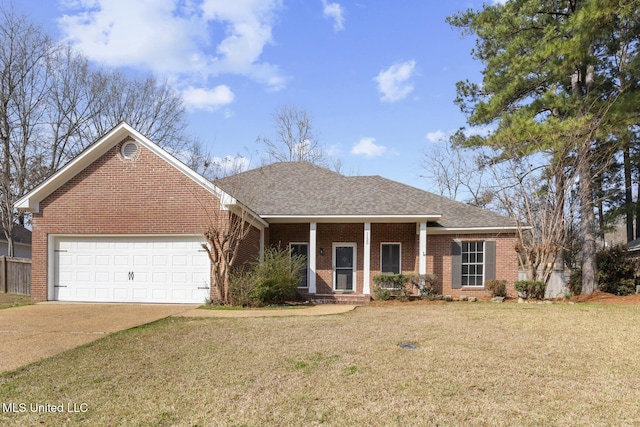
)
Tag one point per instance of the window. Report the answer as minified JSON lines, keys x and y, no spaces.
{"x":302,"y":249}
{"x":472,"y":263}
{"x":390,"y":258}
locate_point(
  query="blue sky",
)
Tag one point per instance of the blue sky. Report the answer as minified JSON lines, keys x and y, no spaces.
{"x":377,"y":77}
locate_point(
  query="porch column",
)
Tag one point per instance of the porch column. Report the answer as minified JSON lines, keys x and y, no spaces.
{"x":312,"y":258}
{"x":422,"y":249}
{"x":262,"y":245}
{"x":366,"y":289}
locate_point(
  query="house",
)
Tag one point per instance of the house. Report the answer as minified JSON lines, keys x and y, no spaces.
{"x":21,"y":242}
{"x":124,"y":221}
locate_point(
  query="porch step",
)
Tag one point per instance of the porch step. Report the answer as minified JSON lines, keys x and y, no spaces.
{"x":355,"y":299}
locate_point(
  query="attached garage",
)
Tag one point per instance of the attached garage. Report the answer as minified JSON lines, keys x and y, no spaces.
{"x":143,"y":269}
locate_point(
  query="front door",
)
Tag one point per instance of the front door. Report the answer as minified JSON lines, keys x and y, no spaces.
{"x":344,"y":266}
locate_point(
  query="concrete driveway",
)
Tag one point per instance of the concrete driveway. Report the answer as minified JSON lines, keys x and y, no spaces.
{"x":33,"y":332}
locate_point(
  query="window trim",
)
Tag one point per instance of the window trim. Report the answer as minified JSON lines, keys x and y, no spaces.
{"x":307,"y":245}
{"x":399,"y":244}
{"x":484,"y":259}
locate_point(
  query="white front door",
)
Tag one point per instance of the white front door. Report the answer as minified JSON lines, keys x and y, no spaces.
{"x":158,"y":269}
{"x":344,"y":266}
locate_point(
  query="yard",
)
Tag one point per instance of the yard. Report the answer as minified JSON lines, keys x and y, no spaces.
{"x":466,"y":364}
{"x":13,"y":300}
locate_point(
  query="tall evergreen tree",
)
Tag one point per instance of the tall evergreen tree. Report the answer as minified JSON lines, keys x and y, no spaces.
{"x":559,"y":75}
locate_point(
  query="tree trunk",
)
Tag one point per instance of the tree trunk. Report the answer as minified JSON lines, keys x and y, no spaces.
{"x":628,"y":196}
{"x":638,"y":209}
{"x":587,"y":221}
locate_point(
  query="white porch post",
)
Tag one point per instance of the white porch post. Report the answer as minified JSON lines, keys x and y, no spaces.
{"x":262,"y":245}
{"x":312,"y":258}
{"x":367,"y":259}
{"x":422,"y":248}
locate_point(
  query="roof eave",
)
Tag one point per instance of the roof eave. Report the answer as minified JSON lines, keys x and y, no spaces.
{"x":473,"y":230}
{"x":274,"y":219}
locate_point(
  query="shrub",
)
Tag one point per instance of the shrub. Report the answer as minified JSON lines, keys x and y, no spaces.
{"x":531,"y":288}
{"x":426,"y":285}
{"x":241,"y":286}
{"x":381,"y":294}
{"x":498,"y":288}
{"x":575,"y":282}
{"x":395,"y":284}
{"x":277,"y":277}
{"x":616,"y":272}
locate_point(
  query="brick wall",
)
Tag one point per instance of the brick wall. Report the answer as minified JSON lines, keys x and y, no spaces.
{"x":113,"y":195}
{"x":439,"y":261}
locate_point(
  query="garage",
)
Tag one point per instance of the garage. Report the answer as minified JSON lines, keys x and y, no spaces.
{"x":142,"y":269}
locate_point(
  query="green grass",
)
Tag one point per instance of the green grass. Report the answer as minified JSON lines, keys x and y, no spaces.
{"x":13,"y":300}
{"x":475,"y":364}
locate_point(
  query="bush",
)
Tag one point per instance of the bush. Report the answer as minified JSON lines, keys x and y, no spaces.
{"x":531,"y":288}
{"x":616,"y":272}
{"x":575,"y":282}
{"x":498,"y":288}
{"x":277,"y":277}
{"x":241,"y":286}
{"x":381,"y":294}
{"x":426,"y":285}
{"x":395,"y":284}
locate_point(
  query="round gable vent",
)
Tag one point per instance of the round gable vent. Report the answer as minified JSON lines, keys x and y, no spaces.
{"x":129,"y":149}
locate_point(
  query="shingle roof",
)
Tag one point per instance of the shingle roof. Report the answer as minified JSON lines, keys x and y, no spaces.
{"x":301,"y":188}
{"x":19,"y":234}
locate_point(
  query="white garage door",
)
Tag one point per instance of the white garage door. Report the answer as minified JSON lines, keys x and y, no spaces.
{"x":131,"y":269}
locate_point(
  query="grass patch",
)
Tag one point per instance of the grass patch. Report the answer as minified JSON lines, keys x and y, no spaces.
{"x":13,"y":300}
{"x":473,"y":364}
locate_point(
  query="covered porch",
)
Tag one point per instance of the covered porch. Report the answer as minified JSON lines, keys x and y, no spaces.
{"x":344,"y":253}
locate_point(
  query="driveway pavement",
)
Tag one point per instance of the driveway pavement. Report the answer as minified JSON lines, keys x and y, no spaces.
{"x":33,"y":332}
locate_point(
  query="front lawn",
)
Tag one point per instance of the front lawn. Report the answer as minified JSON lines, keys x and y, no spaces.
{"x":441,"y":364}
{"x":13,"y":300}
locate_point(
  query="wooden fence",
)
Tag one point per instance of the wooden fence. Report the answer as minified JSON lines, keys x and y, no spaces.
{"x":15,"y":275}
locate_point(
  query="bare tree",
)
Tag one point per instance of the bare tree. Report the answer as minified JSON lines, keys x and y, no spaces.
{"x":458,"y":174}
{"x":535,"y":196}
{"x":23,"y":84}
{"x":151,"y":107}
{"x":226,"y":232}
{"x":52,"y":106}
{"x":230,"y":223}
{"x":296,"y":140}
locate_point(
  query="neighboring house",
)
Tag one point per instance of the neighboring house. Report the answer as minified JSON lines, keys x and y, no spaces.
{"x":124,"y":221}
{"x":21,"y":242}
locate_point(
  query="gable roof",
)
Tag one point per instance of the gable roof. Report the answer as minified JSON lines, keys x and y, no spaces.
{"x":31,"y":201}
{"x":296,"y":190}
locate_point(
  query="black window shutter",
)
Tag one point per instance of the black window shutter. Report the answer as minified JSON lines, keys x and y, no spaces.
{"x":489,"y":260}
{"x":456,"y":265}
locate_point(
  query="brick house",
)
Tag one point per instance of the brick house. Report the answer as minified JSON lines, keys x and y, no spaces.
{"x":124,"y":221}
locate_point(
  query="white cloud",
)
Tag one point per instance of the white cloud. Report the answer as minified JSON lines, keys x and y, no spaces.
{"x":437,"y":136}
{"x":208,"y":99}
{"x":367,"y":146}
{"x":190,"y":42}
{"x":500,"y":1}
{"x":229,"y":165}
{"x":334,"y":11}
{"x":393,"y":83}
